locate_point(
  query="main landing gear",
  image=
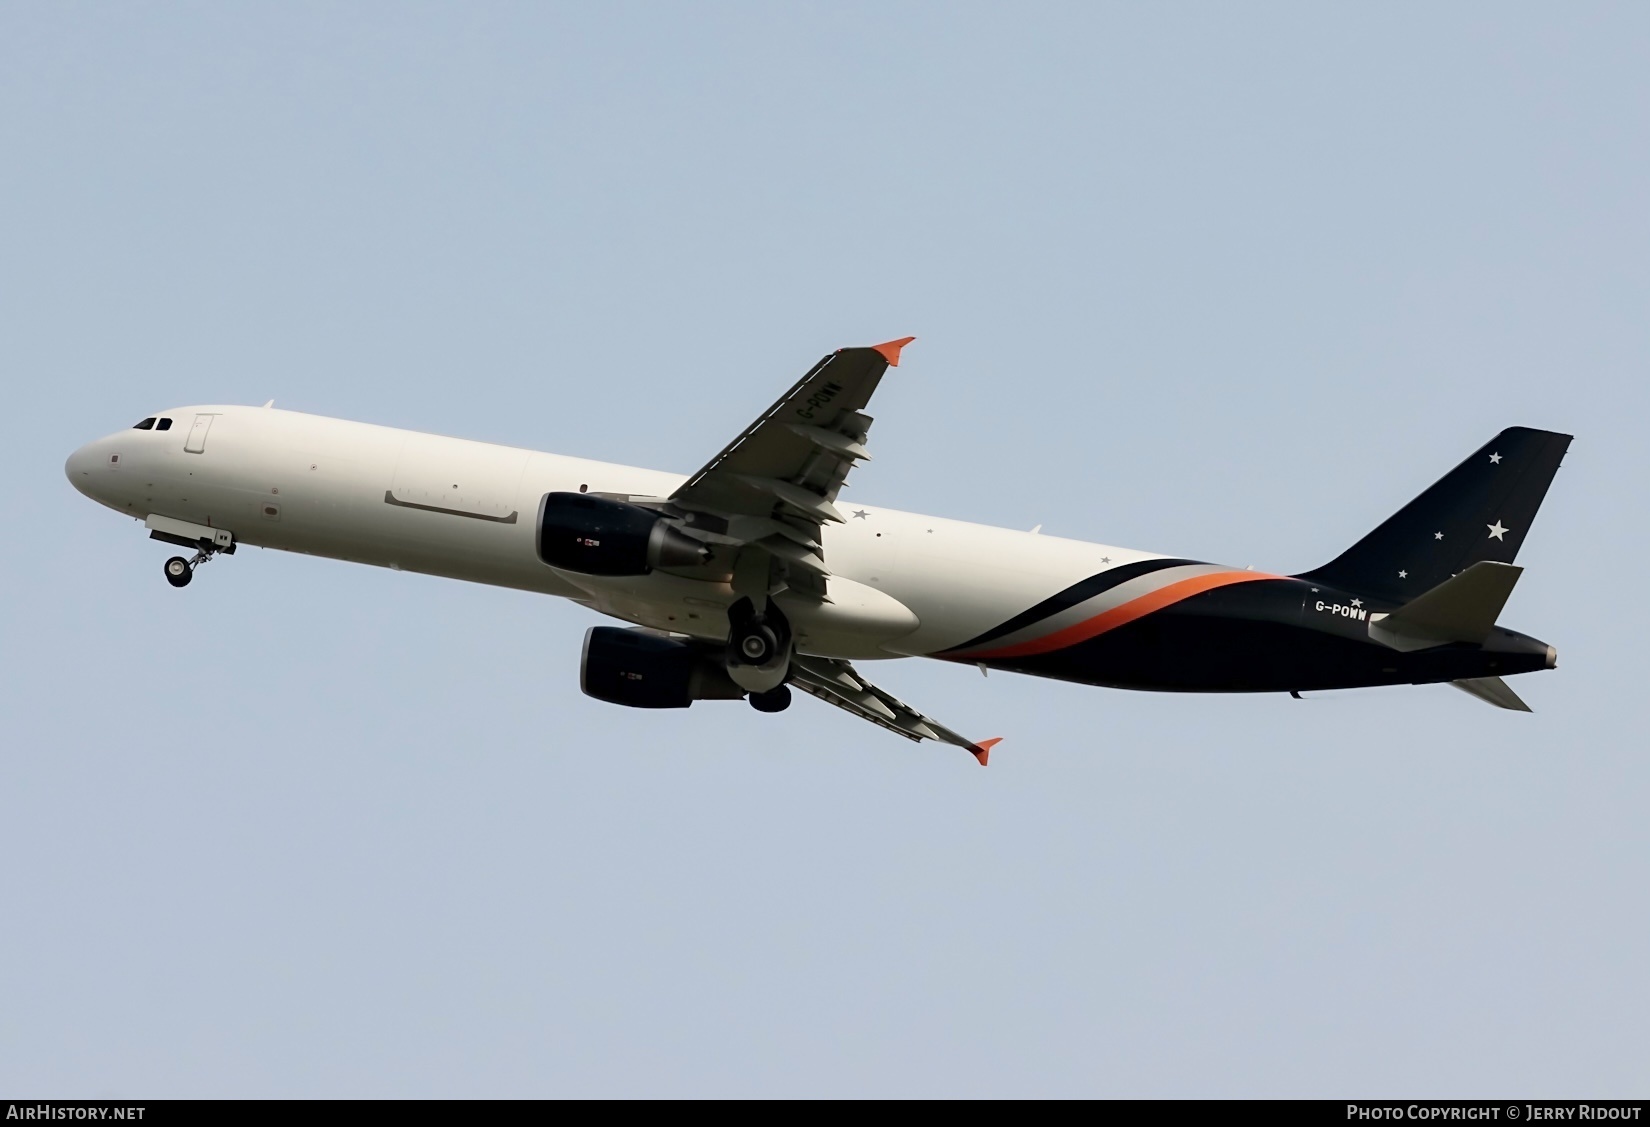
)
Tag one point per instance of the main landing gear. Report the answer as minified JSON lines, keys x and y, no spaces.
{"x":774,"y":700}
{"x":180,"y":571}
{"x":758,"y":656}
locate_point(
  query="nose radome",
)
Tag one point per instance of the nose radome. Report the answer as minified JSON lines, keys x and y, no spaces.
{"x":78,"y":468}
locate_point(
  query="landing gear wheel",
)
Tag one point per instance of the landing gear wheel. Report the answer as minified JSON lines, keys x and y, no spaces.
{"x":774,"y":700}
{"x":178,"y":572}
{"x":756,"y":639}
{"x":759,"y":645}
{"x":758,"y":656}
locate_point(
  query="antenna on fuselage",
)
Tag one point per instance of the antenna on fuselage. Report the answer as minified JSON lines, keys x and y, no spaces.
{"x":271,"y":403}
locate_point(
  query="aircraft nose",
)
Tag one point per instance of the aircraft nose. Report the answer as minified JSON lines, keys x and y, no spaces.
{"x":78,"y":469}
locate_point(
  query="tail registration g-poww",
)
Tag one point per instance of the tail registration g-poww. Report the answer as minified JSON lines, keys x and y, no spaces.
{"x":745,"y":579}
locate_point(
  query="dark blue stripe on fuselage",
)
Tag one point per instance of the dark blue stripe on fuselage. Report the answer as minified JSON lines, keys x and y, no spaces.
{"x":1070,"y":597}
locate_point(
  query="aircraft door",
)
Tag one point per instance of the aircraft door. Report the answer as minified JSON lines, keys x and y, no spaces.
{"x":196,"y":443}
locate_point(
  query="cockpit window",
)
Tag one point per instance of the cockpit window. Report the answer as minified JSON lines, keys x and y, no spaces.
{"x":146,"y":424}
{"x":164,"y":424}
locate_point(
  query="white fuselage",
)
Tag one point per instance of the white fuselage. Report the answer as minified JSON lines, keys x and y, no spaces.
{"x":901,"y":584}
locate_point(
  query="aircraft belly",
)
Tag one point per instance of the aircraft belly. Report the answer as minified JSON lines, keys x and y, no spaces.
{"x":1193,"y":653}
{"x":857,"y":624}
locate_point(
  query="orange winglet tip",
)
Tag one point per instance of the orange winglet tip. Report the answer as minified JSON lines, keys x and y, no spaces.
{"x":890,"y":351}
{"x":982,"y":750}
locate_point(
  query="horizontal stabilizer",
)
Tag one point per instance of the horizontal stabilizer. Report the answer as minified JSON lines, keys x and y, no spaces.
{"x":1493,"y":690}
{"x":1462,"y":608}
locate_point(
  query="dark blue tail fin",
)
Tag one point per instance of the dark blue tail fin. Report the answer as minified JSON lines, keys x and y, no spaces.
{"x":1480,"y":510}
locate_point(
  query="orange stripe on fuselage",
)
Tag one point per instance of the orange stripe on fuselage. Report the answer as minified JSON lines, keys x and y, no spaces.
{"x":1121,"y":615}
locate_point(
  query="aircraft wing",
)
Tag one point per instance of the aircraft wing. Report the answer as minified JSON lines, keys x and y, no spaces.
{"x":837,"y":682}
{"x":778,"y":480}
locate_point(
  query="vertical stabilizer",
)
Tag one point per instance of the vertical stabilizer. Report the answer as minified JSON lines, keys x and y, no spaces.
{"x":1480,"y":510}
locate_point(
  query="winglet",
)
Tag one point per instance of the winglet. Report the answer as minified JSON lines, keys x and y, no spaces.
{"x":982,"y":750}
{"x":890,"y":351}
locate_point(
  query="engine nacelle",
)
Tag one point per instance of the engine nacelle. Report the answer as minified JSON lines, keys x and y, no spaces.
{"x":597,"y":536}
{"x":643,"y":670}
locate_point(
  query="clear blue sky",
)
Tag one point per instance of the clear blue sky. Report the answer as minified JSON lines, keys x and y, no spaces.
{"x":1232,"y":282}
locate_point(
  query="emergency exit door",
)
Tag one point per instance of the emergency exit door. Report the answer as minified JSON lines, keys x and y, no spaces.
{"x":196,"y":442}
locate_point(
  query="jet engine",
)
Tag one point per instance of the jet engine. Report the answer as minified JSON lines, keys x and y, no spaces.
{"x":598,"y":536}
{"x":641,"y":669}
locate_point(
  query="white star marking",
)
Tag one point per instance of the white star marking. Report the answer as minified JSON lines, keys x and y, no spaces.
{"x":1403,"y":575}
{"x":1496,"y":459}
{"x":1437,"y":535}
{"x":1357,"y":602}
{"x":860,"y":514}
{"x":1497,"y":532}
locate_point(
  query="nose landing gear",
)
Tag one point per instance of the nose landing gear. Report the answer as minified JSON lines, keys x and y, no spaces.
{"x":180,"y":571}
{"x":206,"y":540}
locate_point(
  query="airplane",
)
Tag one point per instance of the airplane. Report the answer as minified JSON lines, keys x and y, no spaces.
{"x":745,"y":579}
